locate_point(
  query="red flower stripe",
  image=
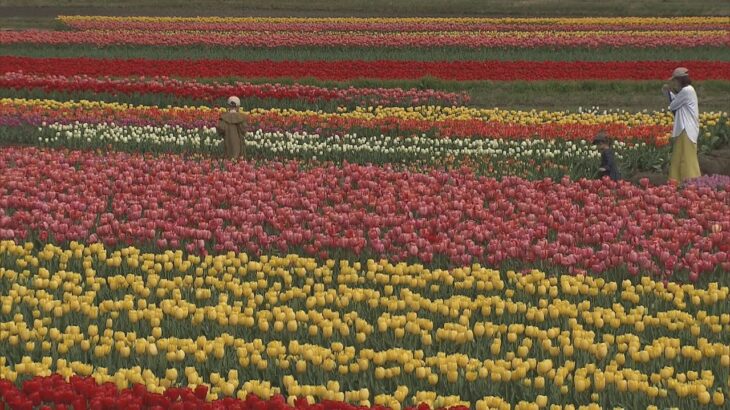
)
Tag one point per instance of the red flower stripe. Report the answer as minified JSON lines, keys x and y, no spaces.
{"x":211,"y":91}
{"x":83,"y":393}
{"x":512,"y":39}
{"x":384,"y":69}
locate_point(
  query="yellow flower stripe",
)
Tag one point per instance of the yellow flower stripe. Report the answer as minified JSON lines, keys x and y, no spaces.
{"x":325,"y":330}
{"x":478,"y":34}
{"x":465,"y":20}
{"x":87,"y":104}
{"x":426,"y":113}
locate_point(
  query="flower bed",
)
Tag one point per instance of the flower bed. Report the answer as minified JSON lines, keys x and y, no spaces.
{"x":208,"y":92}
{"x":437,"y":122}
{"x":461,"y":39}
{"x":711,"y":181}
{"x":391,"y":24}
{"x":344,"y":70}
{"x":446,"y":218}
{"x":533,"y":159}
{"x":372,"y":333}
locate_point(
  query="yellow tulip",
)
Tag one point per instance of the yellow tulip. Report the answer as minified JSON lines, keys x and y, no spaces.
{"x":704,"y":397}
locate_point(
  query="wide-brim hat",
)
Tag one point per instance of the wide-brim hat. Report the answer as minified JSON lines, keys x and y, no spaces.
{"x":679,"y":72}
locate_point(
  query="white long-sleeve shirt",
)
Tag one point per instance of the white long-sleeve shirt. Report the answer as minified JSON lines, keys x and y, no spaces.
{"x":686,"y":113}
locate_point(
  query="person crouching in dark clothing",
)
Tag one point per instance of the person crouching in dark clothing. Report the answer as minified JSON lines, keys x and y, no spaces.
{"x":608,"y":160}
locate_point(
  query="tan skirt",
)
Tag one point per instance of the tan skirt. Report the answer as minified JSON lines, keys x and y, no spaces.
{"x":232,"y":144}
{"x":684,"y":164}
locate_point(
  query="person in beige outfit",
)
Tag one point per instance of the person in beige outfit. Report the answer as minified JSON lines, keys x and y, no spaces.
{"x":231,"y":126}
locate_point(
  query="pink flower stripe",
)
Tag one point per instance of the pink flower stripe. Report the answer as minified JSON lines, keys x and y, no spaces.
{"x":383,"y":69}
{"x":395,"y":25}
{"x":83,"y":393}
{"x":452,"y":218}
{"x":548,"y":39}
{"x":35,"y":114}
{"x":211,"y":91}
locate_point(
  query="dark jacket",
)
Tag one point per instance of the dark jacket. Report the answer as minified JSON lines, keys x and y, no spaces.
{"x":608,"y":165}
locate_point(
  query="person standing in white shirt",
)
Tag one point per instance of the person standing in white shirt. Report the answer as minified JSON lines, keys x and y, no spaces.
{"x":683,"y":104}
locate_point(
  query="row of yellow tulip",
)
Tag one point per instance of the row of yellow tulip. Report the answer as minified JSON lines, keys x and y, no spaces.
{"x":419,"y":113}
{"x":322,"y":329}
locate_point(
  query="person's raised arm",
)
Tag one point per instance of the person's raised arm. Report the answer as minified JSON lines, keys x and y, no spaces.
{"x":667,"y":91}
{"x":678,"y":100}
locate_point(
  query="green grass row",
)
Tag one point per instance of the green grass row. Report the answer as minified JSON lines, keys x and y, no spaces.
{"x":386,"y":8}
{"x":353,"y":53}
{"x":522,"y":95}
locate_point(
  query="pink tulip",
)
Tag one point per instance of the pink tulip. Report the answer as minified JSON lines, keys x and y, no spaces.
{"x":594,"y":233}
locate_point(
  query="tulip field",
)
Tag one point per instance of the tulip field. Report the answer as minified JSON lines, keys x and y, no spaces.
{"x":416,"y":220}
{"x":290,"y":325}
